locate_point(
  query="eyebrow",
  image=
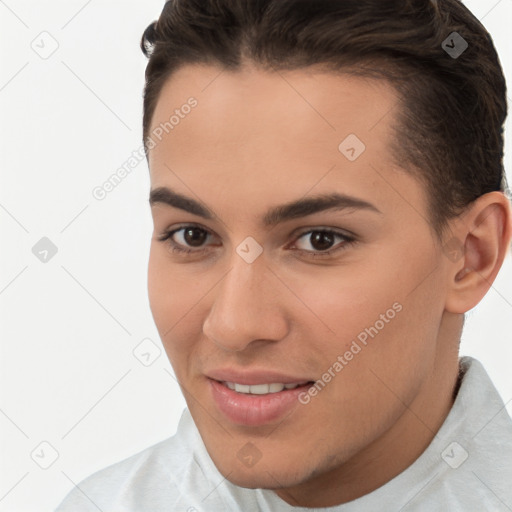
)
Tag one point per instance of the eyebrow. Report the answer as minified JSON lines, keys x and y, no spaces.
{"x":277,"y":214}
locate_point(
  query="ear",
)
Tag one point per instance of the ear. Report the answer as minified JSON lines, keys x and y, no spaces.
{"x":478,"y":244}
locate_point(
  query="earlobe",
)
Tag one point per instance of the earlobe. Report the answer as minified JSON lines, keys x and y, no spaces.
{"x":484,"y":232}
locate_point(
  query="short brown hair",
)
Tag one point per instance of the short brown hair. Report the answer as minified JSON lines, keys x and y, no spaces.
{"x":449,"y":131}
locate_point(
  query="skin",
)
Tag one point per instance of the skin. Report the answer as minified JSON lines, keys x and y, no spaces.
{"x":259,"y":139}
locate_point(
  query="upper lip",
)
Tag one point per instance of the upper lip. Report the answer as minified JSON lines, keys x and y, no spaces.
{"x":254,"y":377}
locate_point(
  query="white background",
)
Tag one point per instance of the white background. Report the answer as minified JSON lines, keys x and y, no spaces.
{"x":69,"y":326}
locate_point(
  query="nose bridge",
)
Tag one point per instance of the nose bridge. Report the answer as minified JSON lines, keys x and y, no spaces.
{"x":244,"y":308}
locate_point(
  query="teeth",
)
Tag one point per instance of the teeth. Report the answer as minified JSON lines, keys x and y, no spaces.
{"x":261,"y":389}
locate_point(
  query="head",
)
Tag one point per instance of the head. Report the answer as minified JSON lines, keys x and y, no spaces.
{"x":274,"y":125}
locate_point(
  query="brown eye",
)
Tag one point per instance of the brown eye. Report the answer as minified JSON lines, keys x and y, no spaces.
{"x":186,"y":238}
{"x":194,"y":236}
{"x":322,"y":241}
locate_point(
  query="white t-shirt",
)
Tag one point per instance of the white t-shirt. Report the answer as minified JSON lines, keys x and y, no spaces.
{"x":467,"y":467}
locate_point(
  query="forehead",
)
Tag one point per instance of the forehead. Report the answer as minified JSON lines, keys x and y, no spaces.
{"x":273,"y":135}
{"x":271,"y":113}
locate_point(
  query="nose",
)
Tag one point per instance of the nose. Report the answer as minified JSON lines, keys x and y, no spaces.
{"x":246,"y":307}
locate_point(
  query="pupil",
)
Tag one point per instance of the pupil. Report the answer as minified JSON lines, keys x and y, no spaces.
{"x":194,"y":241}
{"x":318,"y":240}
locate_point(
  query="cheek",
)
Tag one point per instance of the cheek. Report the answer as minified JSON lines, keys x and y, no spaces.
{"x":388,"y":352}
{"x":175,"y":297}
{"x":380,"y":320}
{"x":159,"y":285}
{"x":344,"y":303}
{"x":172,"y":289}
{"x":170,"y":294}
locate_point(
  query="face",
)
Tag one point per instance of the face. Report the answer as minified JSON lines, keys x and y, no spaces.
{"x":302,"y":256}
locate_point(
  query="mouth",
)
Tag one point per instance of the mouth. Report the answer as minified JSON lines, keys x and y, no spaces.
{"x":264,"y":389}
{"x":256,"y":404}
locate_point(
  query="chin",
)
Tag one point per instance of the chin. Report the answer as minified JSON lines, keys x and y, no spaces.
{"x":261,"y":476}
{"x":260,"y":480}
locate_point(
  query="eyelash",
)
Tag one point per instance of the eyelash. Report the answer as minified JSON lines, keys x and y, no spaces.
{"x":176,"y":248}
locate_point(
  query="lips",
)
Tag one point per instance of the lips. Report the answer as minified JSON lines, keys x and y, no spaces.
{"x":255,"y":398}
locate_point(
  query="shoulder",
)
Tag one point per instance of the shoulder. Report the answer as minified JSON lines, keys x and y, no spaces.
{"x":174,"y":474}
{"x":475,"y":448}
{"x":151,"y":470}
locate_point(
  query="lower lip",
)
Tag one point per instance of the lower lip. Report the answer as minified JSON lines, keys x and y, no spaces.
{"x":254,"y":410}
